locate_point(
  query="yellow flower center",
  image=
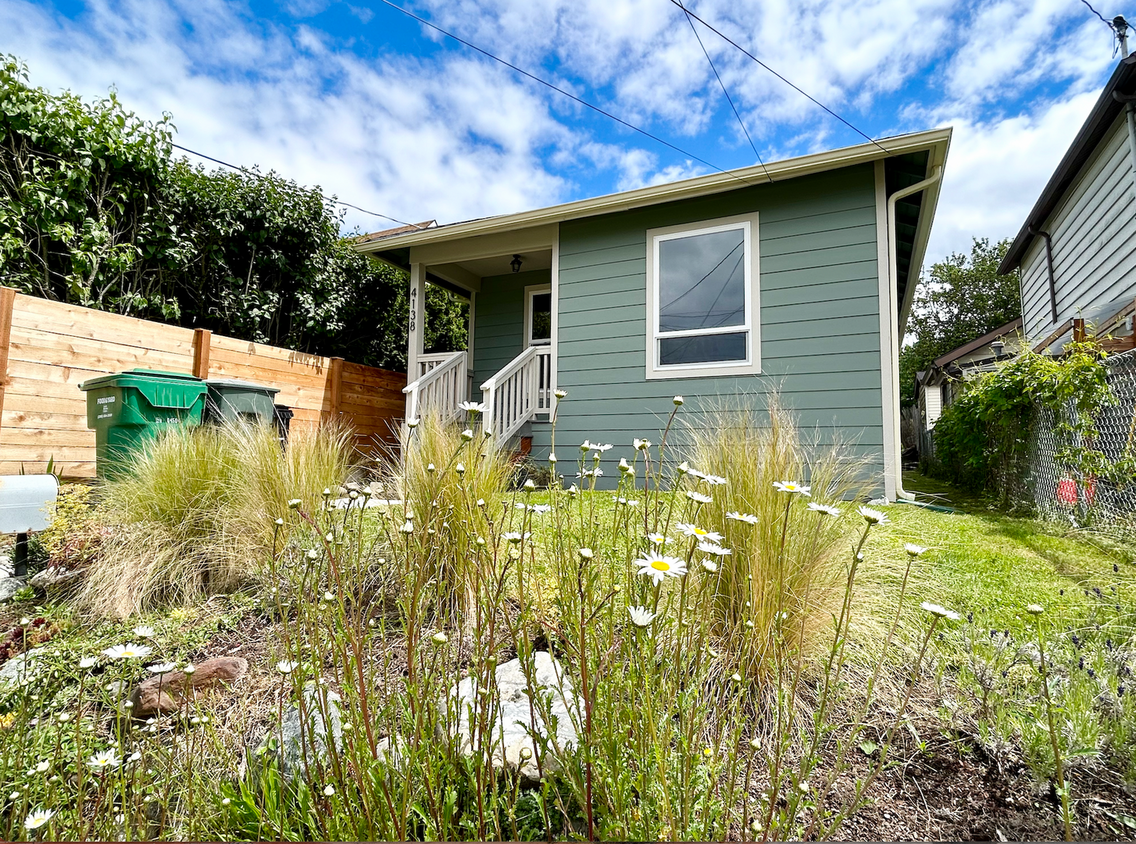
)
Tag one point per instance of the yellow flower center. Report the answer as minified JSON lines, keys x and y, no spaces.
{"x":700,"y":532}
{"x":660,"y":565}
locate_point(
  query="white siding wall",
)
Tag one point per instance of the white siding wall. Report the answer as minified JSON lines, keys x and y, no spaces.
{"x":1094,"y":239}
{"x":933,"y":397}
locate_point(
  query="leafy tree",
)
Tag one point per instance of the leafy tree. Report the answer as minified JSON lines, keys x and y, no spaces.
{"x":94,"y":211}
{"x":961,"y":298}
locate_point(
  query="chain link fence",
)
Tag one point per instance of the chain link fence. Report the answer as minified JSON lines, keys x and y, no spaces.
{"x":1104,"y":499}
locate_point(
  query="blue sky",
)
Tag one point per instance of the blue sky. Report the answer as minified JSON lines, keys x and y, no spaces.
{"x":388,"y":115}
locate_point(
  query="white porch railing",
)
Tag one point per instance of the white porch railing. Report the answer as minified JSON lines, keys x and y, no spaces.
{"x":518,"y":392}
{"x":431,"y":361}
{"x":443,"y":386}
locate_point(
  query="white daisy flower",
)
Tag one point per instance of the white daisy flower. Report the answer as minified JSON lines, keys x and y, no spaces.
{"x":162,"y":668}
{"x":329,"y":791}
{"x":942,"y":612}
{"x":873,"y":517}
{"x":287,"y":666}
{"x":700,"y":533}
{"x":586,"y":553}
{"x":658,"y":539}
{"x":713,"y":480}
{"x":710,"y":566}
{"x":43,"y":767}
{"x":658,"y":566}
{"x":144,"y":631}
{"x":792,"y":487}
{"x":407,"y":527}
{"x":467,"y":435}
{"x":641,"y":616}
{"x":625,"y":467}
{"x":560,"y":394}
{"x":104,"y":759}
{"x":128,"y":651}
{"x":914,"y":550}
{"x":412,"y":422}
{"x":641,"y":445}
{"x":294,"y":503}
{"x":1035,"y":609}
{"x":748,"y":518}
{"x":38,"y":818}
{"x":677,"y":401}
{"x":629,"y":502}
{"x":473,"y":407}
{"x":714,"y":548}
{"x":698,"y":497}
{"x":439,"y":638}
{"x":826,"y":509}
{"x":88,"y":662}
{"x":515,"y":536}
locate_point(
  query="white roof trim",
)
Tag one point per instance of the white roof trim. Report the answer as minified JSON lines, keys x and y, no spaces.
{"x":686,"y":189}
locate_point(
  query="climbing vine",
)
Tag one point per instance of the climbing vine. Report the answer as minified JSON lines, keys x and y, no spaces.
{"x":984,"y":436}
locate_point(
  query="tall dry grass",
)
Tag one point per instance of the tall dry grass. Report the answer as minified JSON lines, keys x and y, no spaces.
{"x":787,"y":574}
{"x":193,"y":513}
{"x":452,"y":481}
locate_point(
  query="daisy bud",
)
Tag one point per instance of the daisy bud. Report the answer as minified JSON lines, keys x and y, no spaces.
{"x":294,"y":503}
{"x":467,"y":435}
{"x":677,"y":401}
{"x":529,"y":486}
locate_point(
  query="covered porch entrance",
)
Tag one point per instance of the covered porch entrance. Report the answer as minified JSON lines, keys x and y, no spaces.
{"x":509,"y":364}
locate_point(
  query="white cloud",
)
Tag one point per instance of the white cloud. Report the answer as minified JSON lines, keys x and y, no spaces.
{"x":996,"y":170}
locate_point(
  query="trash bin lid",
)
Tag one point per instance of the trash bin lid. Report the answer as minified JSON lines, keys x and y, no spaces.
{"x":233,"y":383}
{"x":161,"y":389}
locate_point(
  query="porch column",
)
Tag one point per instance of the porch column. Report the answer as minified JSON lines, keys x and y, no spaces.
{"x":416,"y":328}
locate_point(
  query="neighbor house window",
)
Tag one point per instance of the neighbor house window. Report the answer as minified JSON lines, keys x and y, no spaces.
{"x":702,"y":299}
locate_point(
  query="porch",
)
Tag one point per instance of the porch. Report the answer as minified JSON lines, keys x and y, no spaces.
{"x":509,"y":363}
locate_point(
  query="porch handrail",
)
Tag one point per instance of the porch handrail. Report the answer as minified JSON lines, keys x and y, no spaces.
{"x":515,"y":394}
{"x":441,"y":389}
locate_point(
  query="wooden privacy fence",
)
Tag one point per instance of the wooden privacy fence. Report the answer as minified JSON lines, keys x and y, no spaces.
{"x":47,"y":349}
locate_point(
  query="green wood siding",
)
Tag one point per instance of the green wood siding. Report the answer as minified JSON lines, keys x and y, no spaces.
{"x":499,"y":322}
{"x":819,"y":318}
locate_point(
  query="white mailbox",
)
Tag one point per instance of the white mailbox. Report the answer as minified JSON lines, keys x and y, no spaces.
{"x":27,"y":502}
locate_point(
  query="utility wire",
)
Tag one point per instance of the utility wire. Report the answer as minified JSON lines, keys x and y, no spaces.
{"x":796,"y":88}
{"x":327,"y":198}
{"x":729,"y":99}
{"x":561,"y":91}
{"x":1104,"y":20}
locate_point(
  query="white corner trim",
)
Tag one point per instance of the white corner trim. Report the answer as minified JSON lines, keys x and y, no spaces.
{"x":555,"y":284}
{"x":752,"y":365}
{"x":888,"y":369}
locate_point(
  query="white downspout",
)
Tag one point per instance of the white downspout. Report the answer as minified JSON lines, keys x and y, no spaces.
{"x":896,"y":458}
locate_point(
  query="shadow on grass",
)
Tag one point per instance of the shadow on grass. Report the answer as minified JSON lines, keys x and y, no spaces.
{"x":1062,"y":545}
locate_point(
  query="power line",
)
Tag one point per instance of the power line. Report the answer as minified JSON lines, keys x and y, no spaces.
{"x":796,"y":88}
{"x":729,"y":99}
{"x":561,"y":91}
{"x":327,"y":198}
{"x":1106,"y":22}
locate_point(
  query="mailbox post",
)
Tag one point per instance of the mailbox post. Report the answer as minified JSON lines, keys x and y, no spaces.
{"x":26,"y":502}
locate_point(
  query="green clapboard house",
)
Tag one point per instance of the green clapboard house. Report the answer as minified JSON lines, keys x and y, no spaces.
{"x":796,"y":276}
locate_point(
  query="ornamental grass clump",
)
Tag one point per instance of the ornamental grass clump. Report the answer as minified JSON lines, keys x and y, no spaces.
{"x":451,"y":479}
{"x":781,"y":513}
{"x":192,"y":512}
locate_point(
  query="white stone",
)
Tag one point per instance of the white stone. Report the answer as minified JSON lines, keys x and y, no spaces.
{"x":9,"y":586}
{"x":512,"y":730}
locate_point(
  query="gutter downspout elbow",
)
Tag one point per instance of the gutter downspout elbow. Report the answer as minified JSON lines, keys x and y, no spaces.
{"x":896,"y":457}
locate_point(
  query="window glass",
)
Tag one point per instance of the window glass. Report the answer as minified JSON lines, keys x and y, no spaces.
{"x":702,"y":348}
{"x":702,"y":283}
{"x":541,"y":317}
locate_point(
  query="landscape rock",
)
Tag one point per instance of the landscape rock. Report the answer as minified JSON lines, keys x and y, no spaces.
{"x":20,"y":670}
{"x":309,"y":747}
{"x":53,"y":577}
{"x":513,"y":744}
{"x":9,"y":586}
{"x":160,"y":695}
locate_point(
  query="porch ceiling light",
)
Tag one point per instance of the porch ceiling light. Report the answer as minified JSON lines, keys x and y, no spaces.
{"x":516,"y":263}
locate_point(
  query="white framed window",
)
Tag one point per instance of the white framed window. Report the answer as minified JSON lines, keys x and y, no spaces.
{"x":538,"y":315}
{"x":703,"y":313}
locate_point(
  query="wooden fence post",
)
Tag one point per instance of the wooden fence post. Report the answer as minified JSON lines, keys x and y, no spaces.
{"x":201,"y":341}
{"x":7,"y":303}
{"x":1078,"y":331}
{"x":335,"y":384}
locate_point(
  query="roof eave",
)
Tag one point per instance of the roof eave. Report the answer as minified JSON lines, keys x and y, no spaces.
{"x":686,"y":189}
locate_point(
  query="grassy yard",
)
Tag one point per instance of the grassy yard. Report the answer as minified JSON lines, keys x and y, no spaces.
{"x":694,"y":696}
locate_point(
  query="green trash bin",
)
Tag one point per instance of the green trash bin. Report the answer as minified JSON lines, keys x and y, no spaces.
{"x":126,"y":409}
{"x":230,"y":400}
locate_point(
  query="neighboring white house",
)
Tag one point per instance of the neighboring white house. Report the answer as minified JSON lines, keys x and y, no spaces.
{"x":936,"y":387}
{"x":1077,"y":248}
